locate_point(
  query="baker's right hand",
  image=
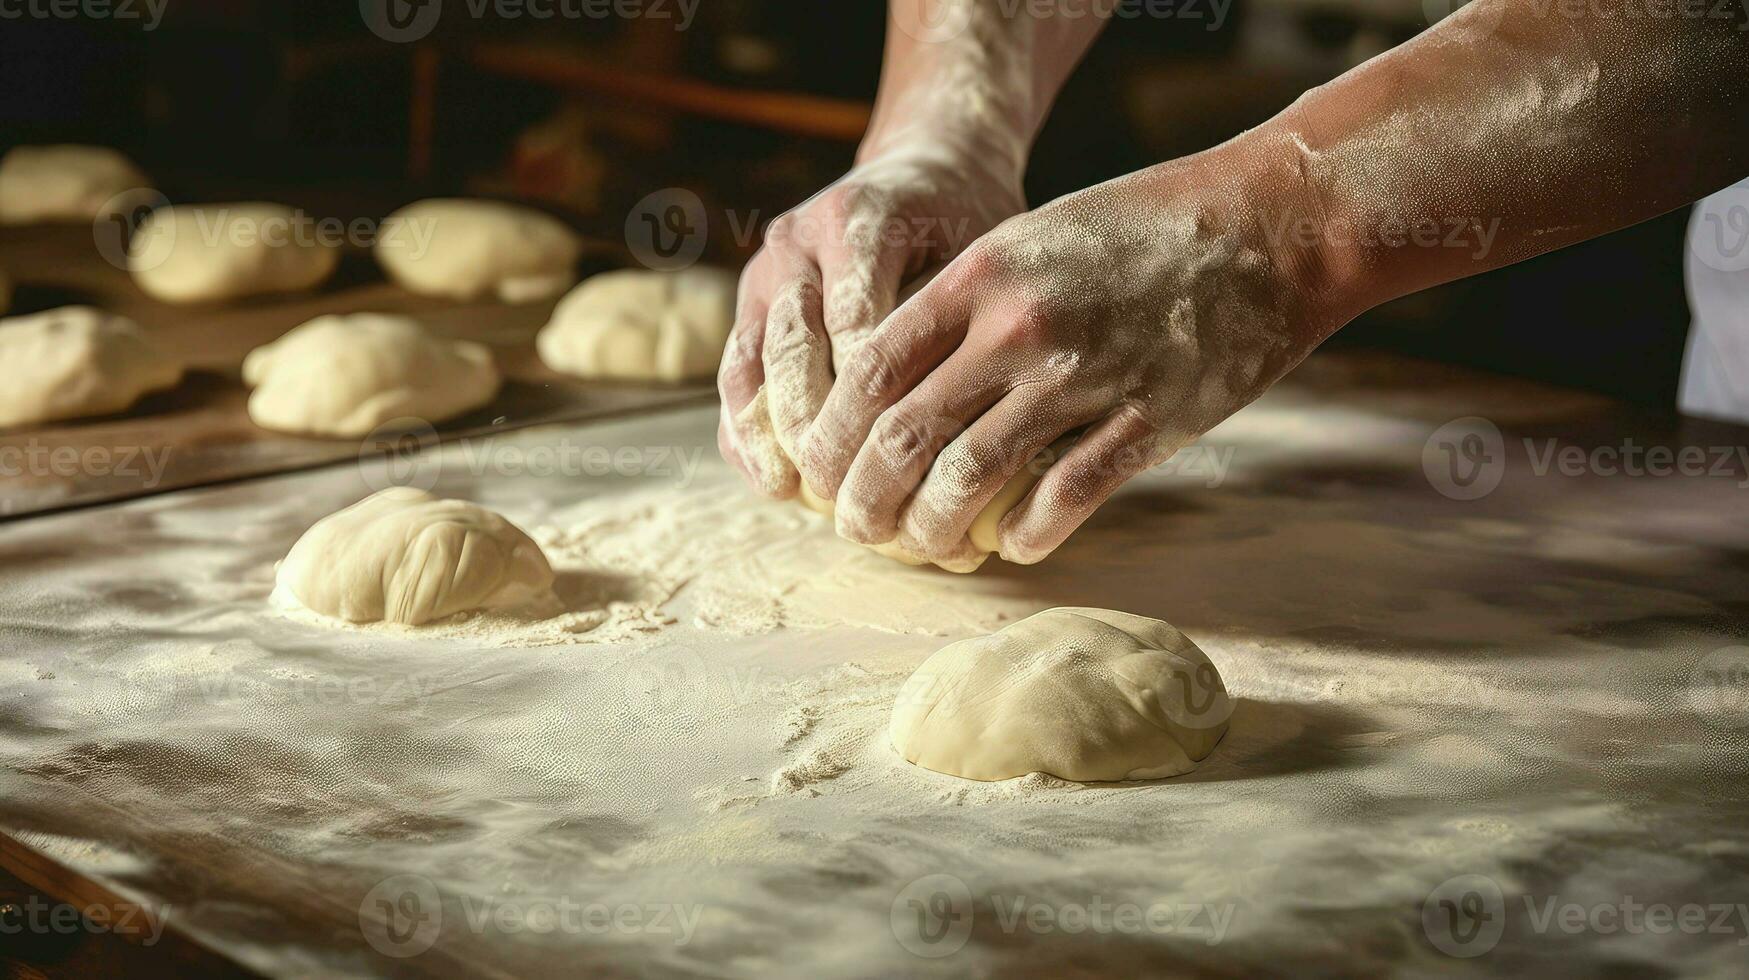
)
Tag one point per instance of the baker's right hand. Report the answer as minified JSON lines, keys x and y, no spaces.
{"x":830,"y":271}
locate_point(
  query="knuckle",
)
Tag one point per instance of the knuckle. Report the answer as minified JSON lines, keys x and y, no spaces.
{"x":875,"y":372}
{"x":898,"y":437}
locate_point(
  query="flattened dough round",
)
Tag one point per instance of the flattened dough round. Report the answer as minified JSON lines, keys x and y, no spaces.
{"x":639,"y":325}
{"x":65,"y":182}
{"x":1085,"y":694}
{"x":405,"y":556}
{"x":212,"y":252}
{"x":465,"y":249}
{"x":76,"y":362}
{"x":345,"y":375}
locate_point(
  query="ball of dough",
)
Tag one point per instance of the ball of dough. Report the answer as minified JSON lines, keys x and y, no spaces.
{"x":213,"y":252}
{"x":462,"y":249}
{"x":65,"y":183}
{"x":77,"y":362}
{"x":347,"y":375}
{"x":764,"y":443}
{"x":1084,"y":694}
{"x":639,"y":325}
{"x":405,"y":556}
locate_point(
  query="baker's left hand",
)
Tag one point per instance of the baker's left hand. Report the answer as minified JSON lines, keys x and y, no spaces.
{"x":1141,"y":311}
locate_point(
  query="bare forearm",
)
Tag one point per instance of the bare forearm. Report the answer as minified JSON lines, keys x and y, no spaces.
{"x":1511,"y":129}
{"x":982,"y":72}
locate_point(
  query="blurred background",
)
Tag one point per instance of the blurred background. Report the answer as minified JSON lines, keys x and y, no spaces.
{"x":355,"y":107}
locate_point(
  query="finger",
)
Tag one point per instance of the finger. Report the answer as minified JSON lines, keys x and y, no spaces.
{"x":1109,"y":454}
{"x":904,"y":442}
{"x":861,"y":281}
{"x":797,"y":354}
{"x":977,"y":469}
{"x":900,"y":353}
{"x":740,"y":378}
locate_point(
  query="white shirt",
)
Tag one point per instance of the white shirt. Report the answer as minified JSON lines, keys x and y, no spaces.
{"x":1715,"y":369}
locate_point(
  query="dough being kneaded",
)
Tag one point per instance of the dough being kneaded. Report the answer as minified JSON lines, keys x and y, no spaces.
{"x":640,"y":325}
{"x":345,"y":375}
{"x":405,"y":556}
{"x":466,"y":249}
{"x":77,"y":362}
{"x":207,"y":253}
{"x":67,"y":182}
{"x":1083,"y":694}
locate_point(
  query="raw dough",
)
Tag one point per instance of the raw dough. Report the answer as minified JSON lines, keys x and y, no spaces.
{"x":76,"y":362}
{"x":66,"y":183}
{"x":345,"y":375}
{"x":640,"y":325}
{"x":983,"y":530}
{"x":213,"y":252}
{"x":462,"y":249}
{"x":1083,"y":694}
{"x":405,"y":556}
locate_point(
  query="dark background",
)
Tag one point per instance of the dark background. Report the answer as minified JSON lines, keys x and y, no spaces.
{"x":301,"y":101}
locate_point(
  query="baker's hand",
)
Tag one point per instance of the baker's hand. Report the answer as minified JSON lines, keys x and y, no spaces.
{"x":1141,"y":311}
{"x":831,"y":270}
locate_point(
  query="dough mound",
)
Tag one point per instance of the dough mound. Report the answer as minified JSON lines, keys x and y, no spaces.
{"x":347,"y":375}
{"x":214,"y":252}
{"x":983,"y":530}
{"x":1084,"y":694}
{"x":462,"y":249}
{"x":64,"y":183}
{"x":405,"y":556}
{"x":77,"y":362}
{"x":639,"y":325}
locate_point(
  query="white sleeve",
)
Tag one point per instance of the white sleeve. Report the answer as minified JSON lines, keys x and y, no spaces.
{"x":1715,"y":369}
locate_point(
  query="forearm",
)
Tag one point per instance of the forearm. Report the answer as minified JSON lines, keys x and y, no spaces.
{"x":1512,"y":129}
{"x":977,"y":76}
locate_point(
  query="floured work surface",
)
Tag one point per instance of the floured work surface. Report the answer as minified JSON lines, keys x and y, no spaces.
{"x":199,"y":432}
{"x":1451,"y":714}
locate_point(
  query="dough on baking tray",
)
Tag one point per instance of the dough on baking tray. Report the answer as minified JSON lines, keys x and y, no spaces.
{"x":76,"y":362}
{"x":204,"y":253}
{"x":639,"y":325}
{"x":345,"y":375}
{"x":405,"y":556}
{"x":465,"y":249}
{"x":1083,"y":694}
{"x":983,"y":530}
{"x":65,"y":183}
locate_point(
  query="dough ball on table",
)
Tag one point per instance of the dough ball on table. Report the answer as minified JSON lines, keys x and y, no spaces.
{"x":639,"y":325}
{"x":212,"y":252}
{"x":462,"y":249}
{"x":66,"y":183}
{"x":1085,"y":694}
{"x":982,"y":533}
{"x":346,"y":375}
{"x":405,"y":556}
{"x":77,"y":362}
